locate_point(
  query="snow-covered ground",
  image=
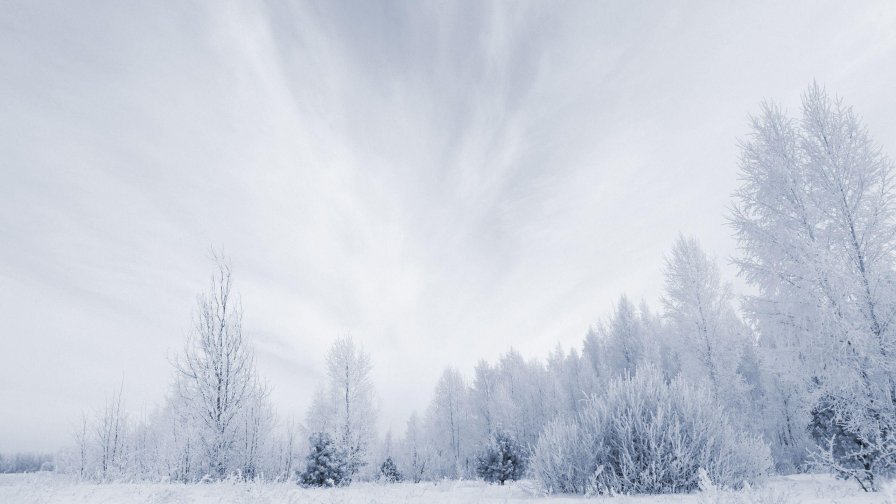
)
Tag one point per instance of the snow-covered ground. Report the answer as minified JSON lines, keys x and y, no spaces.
{"x":52,"y":489}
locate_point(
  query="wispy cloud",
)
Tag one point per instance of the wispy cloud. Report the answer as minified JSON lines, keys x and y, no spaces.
{"x":441,"y":180}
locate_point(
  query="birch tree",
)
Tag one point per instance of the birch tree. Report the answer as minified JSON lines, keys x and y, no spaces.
{"x":352,"y":413}
{"x":217,"y":371}
{"x":110,"y":431}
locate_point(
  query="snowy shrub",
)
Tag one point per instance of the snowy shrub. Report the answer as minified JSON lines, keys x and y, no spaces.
{"x":648,"y":436}
{"x":562,"y":461}
{"x":389,"y":471}
{"x":863,"y":449}
{"x":503,"y":460}
{"x":325,"y":464}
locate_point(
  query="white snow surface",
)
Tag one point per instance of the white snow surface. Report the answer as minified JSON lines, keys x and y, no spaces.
{"x":48,"y":488}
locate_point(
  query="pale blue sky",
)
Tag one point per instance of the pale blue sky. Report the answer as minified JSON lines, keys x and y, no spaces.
{"x":442,"y":180}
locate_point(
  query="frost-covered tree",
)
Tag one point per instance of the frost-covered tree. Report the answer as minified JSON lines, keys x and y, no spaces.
{"x":348,"y":369}
{"x":625,"y":348}
{"x":527,"y":397}
{"x":179,"y":430}
{"x":447,"y":422}
{"x":414,"y":453}
{"x":286,"y":450}
{"x":344,"y":408}
{"x":593,"y":353}
{"x":254,"y":427}
{"x":326,"y":464}
{"x":389,"y":471}
{"x":709,"y":336}
{"x":218,"y":381}
{"x":483,"y":399}
{"x":502,"y":460}
{"x":110,"y":431}
{"x":572,"y":380}
{"x":319,"y":417}
{"x":815,"y":224}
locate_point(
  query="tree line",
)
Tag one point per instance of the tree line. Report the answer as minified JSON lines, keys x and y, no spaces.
{"x":799,"y":375}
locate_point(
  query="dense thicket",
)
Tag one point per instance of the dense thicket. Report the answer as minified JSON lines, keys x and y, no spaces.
{"x":647,"y":435}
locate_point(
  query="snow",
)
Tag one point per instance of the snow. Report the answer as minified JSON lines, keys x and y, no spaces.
{"x":48,"y":488}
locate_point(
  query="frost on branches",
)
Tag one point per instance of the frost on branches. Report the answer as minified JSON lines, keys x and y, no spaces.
{"x":326,"y":463}
{"x":503,"y":460}
{"x":646,"y":435}
{"x":815,"y":222}
{"x":344,"y":408}
{"x":801,"y":373}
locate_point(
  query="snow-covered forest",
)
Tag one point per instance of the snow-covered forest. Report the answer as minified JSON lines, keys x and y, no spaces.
{"x":713,"y":387}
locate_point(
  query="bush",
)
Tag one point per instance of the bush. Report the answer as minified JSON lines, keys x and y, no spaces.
{"x":503,"y":460}
{"x":562,"y":461}
{"x":389,"y":472}
{"x":647,"y":436}
{"x":848,"y":448}
{"x":325,"y":464}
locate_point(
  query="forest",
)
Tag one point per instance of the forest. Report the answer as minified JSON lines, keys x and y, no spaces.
{"x":797,"y":374}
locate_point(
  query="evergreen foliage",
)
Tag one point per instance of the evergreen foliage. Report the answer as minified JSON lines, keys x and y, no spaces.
{"x":389,"y":471}
{"x":325,"y":463}
{"x":503,"y":460}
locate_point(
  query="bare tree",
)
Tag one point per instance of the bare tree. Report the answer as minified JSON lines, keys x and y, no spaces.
{"x":110,"y":436}
{"x":83,"y":446}
{"x":286,"y":450}
{"x":218,"y":370}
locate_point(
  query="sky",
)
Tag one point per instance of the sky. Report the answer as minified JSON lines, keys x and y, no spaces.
{"x":442,"y":181}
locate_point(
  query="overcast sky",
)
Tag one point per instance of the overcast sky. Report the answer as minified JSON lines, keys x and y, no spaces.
{"x":441,"y":180}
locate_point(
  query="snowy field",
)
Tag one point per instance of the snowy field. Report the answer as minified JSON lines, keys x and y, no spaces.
{"x":53,"y":489}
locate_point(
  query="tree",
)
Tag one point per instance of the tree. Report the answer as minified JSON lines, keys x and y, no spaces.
{"x":503,"y":460}
{"x":217,"y":370}
{"x":345,"y":408}
{"x":254,"y":427}
{"x":483,"y":399}
{"x":706,"y":327}
{"x":572,"y":382}
{"x":414,"y":453}
{"x":389,"y":471}
{"x":625,"y":345}
{"x":110,"y":431}
{"x":815,"y":224}
{"x":446,"y":420}
{"x":82,"y":447}
{"x":179,"y":427}
{"x":326,"y":464}
{"x":286,"y":446}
